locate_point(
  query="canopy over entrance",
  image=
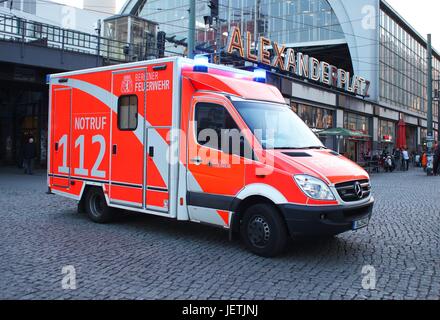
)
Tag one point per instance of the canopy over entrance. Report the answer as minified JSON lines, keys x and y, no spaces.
{"x":345,"y":133}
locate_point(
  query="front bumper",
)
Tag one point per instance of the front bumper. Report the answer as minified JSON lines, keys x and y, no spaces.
{"x":325,"y":220}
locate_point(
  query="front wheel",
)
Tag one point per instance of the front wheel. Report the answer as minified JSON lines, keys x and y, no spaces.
{"x":96,"y":207}
{"x":263,"y":231}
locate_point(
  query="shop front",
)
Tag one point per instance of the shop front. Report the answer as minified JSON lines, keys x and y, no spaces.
{"x":411,"y":138}
{"x":357,"y":149}
{"x":387,"y":135}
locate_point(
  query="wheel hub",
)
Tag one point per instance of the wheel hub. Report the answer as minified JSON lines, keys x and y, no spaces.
{"x":259,"y":232}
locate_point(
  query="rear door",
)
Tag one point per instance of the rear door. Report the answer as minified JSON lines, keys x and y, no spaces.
{"x":127,"y":165}
{"x":61,"y":136}
{"x":159,"y":118}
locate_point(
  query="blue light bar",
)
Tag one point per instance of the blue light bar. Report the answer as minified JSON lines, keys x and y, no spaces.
{"x":201,"y":63}
{"x":260,"y":75}
{"x":48,"y":79}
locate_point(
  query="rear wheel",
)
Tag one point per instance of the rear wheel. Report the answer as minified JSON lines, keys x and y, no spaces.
{"x":263,"y":231}
{"x":96,"y":206}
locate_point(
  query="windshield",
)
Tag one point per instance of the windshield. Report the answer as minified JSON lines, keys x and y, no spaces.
{"x":276,"y":126}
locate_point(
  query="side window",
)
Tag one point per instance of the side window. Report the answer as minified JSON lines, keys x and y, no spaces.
{"x":215,"y":128}
{"x":128,"y":113}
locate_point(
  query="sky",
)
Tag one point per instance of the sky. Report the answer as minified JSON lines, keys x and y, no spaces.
{"x":423,"y":15}
{"x":79,"y":3}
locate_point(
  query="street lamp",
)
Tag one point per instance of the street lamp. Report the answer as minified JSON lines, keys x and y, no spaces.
{"x":430,"y":135}
{"x":338,"y":141}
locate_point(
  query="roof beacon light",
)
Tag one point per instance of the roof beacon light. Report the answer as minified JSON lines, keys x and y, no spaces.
{"x":201,"y":63}
{"x":260,"y":75}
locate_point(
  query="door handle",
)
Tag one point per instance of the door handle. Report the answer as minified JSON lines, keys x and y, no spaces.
{"x":197,"y":161}
{"x":115,"y":149}
{"x":56,"y":146}
{"x":151,"y":152}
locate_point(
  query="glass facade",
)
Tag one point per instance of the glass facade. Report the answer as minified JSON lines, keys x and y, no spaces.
{"x":403,"y":67}
{"x":292,"y":22}
{"x":357,"y":122}
{"x":387,"y":131}
{"x":315,"y":118}
{"x":172,"y":16}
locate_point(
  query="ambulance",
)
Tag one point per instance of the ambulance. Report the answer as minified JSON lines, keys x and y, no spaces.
{"x":193,"y":141}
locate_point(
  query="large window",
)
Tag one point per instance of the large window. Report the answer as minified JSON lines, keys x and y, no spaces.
{"x":403,"y":67}
{"x":387,"y":131}
{"x":283,"y":21}
{"x":356,"y":122}
{"x":128,"y":113}
{"x":315,"y":118}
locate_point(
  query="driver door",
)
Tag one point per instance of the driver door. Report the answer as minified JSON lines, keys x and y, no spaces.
{"x":216,"y":171}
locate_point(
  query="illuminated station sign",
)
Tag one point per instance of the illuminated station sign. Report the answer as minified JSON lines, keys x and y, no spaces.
{"x":296,"y":63}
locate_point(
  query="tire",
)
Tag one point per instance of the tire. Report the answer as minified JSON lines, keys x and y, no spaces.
{"x":96,"y":207}
{"x":263,"y":231}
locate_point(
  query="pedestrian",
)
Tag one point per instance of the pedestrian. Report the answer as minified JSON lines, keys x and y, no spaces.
{"x":424,"y":160}
{"x":436,"y":159}
{"x":417,"y":160}
{"x":405,"y":157}
{"x":397,"y":156}
{"x":29,"y":154}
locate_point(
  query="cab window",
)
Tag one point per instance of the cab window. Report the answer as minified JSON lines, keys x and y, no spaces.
{"x":215,"y":128}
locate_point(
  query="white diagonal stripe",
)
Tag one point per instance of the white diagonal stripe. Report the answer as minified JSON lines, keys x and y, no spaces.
{"x":111,"y":100}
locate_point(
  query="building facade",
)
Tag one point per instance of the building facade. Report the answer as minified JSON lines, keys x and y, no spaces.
{"x":367,"y":38}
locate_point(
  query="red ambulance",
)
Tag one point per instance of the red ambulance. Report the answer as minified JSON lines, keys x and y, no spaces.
{"x":192,"y":141}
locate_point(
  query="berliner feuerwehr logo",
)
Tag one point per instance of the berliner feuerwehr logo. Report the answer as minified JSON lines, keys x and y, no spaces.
{"x":127,"y":84}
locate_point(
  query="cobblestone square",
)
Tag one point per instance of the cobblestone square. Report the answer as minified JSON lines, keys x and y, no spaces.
{"x":146,"y":257}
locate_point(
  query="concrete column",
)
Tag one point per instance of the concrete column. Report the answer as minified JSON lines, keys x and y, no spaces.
{"x":339,"y":118}
{"x":339,"y":124}
{"x":419,"y":140}
{"x":375,"y":133}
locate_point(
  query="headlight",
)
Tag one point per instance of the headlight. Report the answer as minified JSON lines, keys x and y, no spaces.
{"x":314,"y":188}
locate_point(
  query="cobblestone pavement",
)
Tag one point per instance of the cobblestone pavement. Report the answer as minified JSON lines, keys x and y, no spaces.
{"x":145,"y":257}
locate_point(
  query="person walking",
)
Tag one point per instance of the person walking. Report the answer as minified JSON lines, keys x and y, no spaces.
{"x":29,"y":154}
{"x":417,"y":160}
{"x":424,"y":160}
{"x":405,"y":157}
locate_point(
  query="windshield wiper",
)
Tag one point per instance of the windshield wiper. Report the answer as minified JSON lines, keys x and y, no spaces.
{"x":316,"y":147}
{"x":300,"y":148}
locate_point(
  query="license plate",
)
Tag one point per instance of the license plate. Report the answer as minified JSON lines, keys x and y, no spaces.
{"x":359,"y":224}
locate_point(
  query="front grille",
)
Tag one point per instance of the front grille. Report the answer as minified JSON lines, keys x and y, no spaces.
{"x":348,"y":193}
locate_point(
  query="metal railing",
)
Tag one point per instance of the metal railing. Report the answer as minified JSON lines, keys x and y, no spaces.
{"x":30,"y":32}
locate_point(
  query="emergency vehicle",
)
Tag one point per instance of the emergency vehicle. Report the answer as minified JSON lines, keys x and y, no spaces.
{"x":132,"y":137}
